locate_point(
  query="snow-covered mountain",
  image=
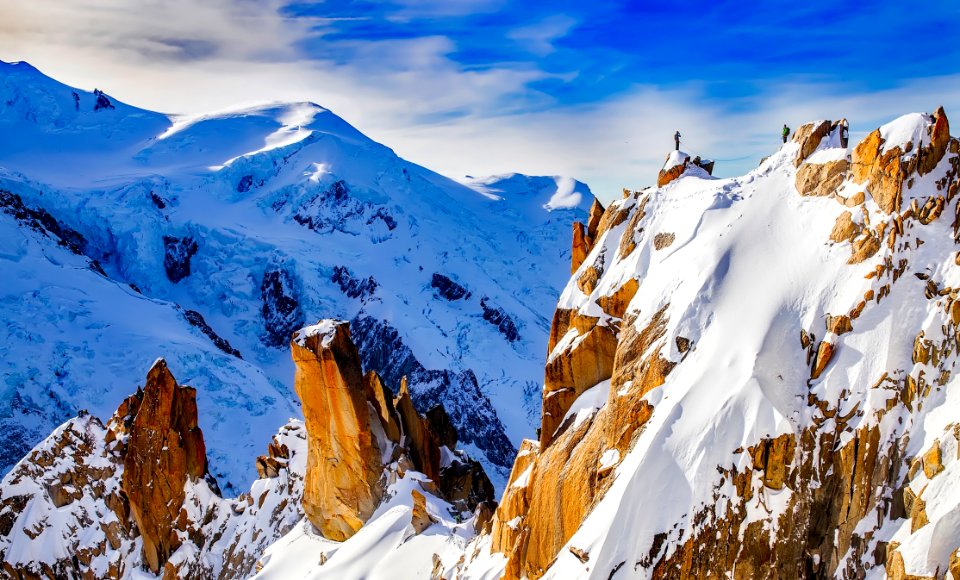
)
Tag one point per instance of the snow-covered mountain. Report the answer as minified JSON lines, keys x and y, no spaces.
{"x":751,"y":377}
{"x":127,"y":235}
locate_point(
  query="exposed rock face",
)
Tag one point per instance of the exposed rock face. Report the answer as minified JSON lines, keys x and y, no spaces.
{"x":808,"y":136}
{"x":72,"y":478}
{"x":555,"y":483}
{"x":585,"y":237}
{"x":383,"y":350}
{"x":344,"y":464}
{"x":344,"y":412}
{"x":888,"y":168}
{"x":382,"y":400}
{"x":281,"y":306}
{"x":939,"y":140}
{"x":420,"y":519}
{"x":177,"y":255}
{"x":821,"y":179}
{"x":448,"y":289}
{"x":422,"y":442}
{"x":593,"y":222}
{"x":568,"y":374}
{"x":164,"y":449}
{"x":580,"y":247}
{"x":353,"y":286}
{"x":667,"y":175}
{"x":679,"y":163}
{"x":499,"y":318}
{"x":120,"y":498}
{"x":464,"y":484}
{"x":885,"y":171}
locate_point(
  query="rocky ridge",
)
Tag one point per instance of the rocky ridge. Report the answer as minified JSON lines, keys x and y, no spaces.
{"x":849,"y":427}
{"x":134,"y":496}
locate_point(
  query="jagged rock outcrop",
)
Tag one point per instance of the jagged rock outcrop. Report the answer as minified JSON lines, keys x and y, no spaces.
{"x":345,"y":463}
{"x":808,"y":137}
{"x":821,"y":179}
{"x":355,"y":429}
{"x":832,"y":492}
{"x":177,"y":253}
{"x":382,"y":349}
{"x":111,"y":500}
{"x":420,"y":519}
{"x":141,"y":481}
{"x":887,"y":166}
{"x":164,"y":449}
{"x":678,"y":163}
{"x":422,"y":443}
{"x":585,"y":236}
{"x":585,"y":359}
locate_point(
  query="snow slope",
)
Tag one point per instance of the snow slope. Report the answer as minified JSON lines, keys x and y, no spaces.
{"x":260,"y":221}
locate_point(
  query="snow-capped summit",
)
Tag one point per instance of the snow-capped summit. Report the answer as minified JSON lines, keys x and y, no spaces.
{"x":128,"y":235}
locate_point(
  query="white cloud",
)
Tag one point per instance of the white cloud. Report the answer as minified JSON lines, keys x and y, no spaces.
{"x":539,"y":38}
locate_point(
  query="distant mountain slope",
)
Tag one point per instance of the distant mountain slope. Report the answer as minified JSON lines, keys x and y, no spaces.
{"x":214,"y":238}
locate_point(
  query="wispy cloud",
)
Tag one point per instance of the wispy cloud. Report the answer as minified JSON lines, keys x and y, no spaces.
{"x":539,"y":38}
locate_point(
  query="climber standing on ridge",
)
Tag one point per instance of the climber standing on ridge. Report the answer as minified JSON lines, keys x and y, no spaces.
{"x":786,"y":132}
{"x":676,"y":140}
{"x":844,"y":133}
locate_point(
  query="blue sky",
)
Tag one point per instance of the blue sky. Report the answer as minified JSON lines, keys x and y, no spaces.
{"x":588,"y":89}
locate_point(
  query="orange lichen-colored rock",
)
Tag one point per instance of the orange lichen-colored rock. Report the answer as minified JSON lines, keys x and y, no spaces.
{"x":630,"y":364}
{"x":844,"y":229}
{"x":864,"y":247}
{"x":773,"y":458}
{"x":663,"y":240}
{"x":939,"y":140}
{"x":616,"y":304}
{"x":344,"y":466}
{"x":580,"y":247}
{"x":593,"y":222}
{"x":808,"y":136}
{"x":824,"y":354}
{"x":516,"y":499}
{"x":422,"y":443}
{"x":420,"y":519}
{"x":165,"y":447}
{"x":554,"y":486}
{"x":884,"y":170}
{"x":628,"y":242}
{"x":382,"y":401}
{"x":668,"y":175}
{"x":821,"y":179}
{"x":582,"y":364}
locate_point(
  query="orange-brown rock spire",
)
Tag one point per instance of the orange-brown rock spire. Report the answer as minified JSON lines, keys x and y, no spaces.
{"x":422,"y":443}
{"x":344,"y":463}
{"x":165,"y":447}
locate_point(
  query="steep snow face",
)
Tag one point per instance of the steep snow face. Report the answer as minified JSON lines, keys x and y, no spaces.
{"x":211,"y":239}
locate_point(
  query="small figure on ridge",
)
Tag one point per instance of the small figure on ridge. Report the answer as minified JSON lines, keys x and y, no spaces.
{"x":676,"y":140}
{"x":786,"y":132}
